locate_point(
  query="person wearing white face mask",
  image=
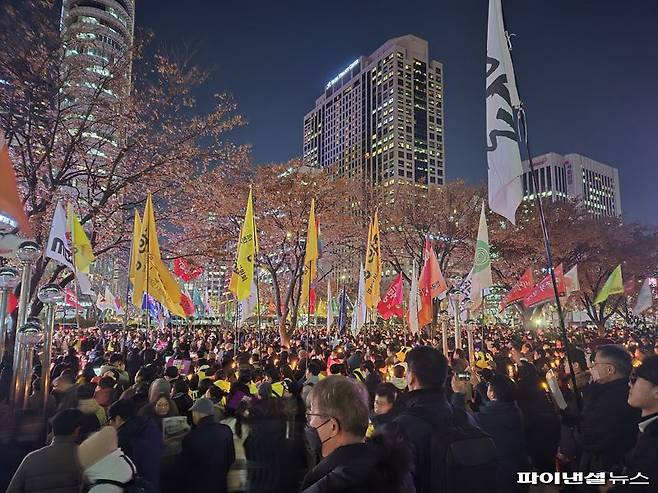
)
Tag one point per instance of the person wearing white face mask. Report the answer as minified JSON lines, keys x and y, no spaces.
{"x":607,"y":424}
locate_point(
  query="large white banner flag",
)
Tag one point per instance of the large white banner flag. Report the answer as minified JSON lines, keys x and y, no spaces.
{"x":59,"y":248}
{"x":503,"y":157}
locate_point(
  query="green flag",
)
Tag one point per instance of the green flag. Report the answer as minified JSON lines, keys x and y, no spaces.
{"x":481,"y":278}
{"x":614,"y":285}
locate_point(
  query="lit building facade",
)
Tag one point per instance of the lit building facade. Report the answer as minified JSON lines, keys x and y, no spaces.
{"x":574,"y":176}
{"x":381,"y":118}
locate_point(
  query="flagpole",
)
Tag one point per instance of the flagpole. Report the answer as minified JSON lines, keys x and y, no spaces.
{"x":253,"y":221}
{"x":308,"y":310}
{"x":523,"y":136}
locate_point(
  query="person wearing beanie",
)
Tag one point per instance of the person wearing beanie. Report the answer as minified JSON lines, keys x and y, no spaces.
{"x":208,"y":451}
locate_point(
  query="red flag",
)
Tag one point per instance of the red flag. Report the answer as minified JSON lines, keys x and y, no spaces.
{"x":431,"y":283}
{"x":12,"y":302}
{"x":543,"y":291}
{"x":10,"y":202}
{"x":521,"y":289}
{"x":311,"y":299}
{"x":71,"y":299}
{"x":187,"y":304}
{"x":186,"y":270}
{"x":391,"y":303}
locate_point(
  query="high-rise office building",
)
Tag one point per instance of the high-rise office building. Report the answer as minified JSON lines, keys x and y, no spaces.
{"x":98,"y":37}
{"x":381,"y":118}
{"x":574,"y":176}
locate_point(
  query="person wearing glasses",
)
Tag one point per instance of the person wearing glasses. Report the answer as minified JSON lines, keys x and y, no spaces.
{"x":337,"y":419}
{"x":607,"y":425}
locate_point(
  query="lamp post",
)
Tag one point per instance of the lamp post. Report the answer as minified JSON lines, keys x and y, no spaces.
{"x":50,"y":295}
{"x":8,"y":281}
{"x":27,"y":253}
{"x":27,"y":338}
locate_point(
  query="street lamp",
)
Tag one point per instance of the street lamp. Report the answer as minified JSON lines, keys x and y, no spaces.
{"x":27,"y":338}
{"x":50,"y":295}
{"x":8,"y":281}
{"x":27,"y":253}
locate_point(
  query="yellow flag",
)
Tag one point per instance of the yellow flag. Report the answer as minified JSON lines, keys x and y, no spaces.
{"x":373,"y":272}
{"x":151,"y":275}
{"x":311,"y":254}
{"x":134,"y":250}
{"x":244,"y":268}
{"x":83,"y":254}
{"x":614,"y":285}
{"x":233,"y":283}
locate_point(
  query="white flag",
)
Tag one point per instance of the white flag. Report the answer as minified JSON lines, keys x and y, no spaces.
{"x":102,"y":303}
{"x":503,"y":157}
{"x":481,"y":273}
{"x":644,"y":298}
{"x":413,"y":301}
{"x":113,"y":303}
{"x":330,"y":311}
{"x":571,"y":282}
{"x":59,"y":247}
{"x":359,"y":313}
{"x":246,"y":306}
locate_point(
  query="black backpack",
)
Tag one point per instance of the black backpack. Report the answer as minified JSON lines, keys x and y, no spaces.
{"x":470,"y":459}
{"x":137,"y":484}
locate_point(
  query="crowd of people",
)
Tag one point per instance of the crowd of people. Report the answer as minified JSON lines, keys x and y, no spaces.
{"x":204,"y":410}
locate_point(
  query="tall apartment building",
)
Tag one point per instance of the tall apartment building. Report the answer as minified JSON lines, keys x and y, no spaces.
{"x":574,"y":176}
{"x":381,"y":118}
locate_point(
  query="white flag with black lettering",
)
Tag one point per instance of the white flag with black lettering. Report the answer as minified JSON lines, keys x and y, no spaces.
{"x":503,"y":157}
{"x":59,"y":247}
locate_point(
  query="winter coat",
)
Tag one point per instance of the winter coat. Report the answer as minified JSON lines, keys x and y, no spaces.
{"x":608,"y":426}
{"x":644,"y":458}
{"x":141,"y":440}
{"x":419,"y":433}
{"x":208,"y":453}
{"x":504,"y":423}
{"x":91,"y":406}
{"x":357,"y":468}
{"x":542,"y":429}
{"x":54,"y":468}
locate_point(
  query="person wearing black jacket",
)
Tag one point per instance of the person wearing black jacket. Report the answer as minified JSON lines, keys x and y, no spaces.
{"x":426,"y":376}
{"x":337,"y":421}
{"x":208,"y":451}
{"x":501,"y":418}
{"x":643,"y":459}
{"x":139,"y":438}
{"x":607,"y":425}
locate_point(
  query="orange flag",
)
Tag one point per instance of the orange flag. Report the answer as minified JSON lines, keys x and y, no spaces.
{"x":10,"y":202}
{"x":431,"y":284}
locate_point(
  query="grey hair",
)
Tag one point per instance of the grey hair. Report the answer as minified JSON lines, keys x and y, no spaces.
{"x":343,"y":399}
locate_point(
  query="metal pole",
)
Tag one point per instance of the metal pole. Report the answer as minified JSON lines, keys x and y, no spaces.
{"x":50,"y":295}
{"x":458,"y":332}
{"x":471,"y":346}
{"x":8,"y":281}
{"x":27,"y":253}
{"x":444,"y":335}
{"x":27,"y":337}
{"x":523,"y":136}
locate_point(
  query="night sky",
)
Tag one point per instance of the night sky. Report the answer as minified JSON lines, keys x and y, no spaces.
{"x":587,"y":71}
